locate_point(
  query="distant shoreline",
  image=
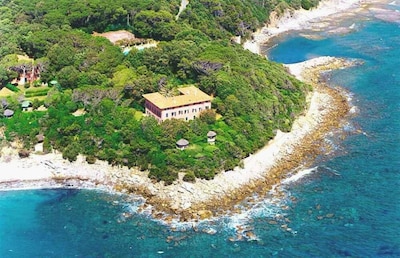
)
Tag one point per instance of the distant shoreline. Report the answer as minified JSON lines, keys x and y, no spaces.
{"x":298,"y":20}
{"x":202,"y":199}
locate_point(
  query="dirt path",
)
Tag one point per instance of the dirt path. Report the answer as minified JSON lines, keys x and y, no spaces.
{"x":184,"y":3}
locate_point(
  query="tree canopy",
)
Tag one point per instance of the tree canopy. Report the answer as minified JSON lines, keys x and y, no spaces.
{"x":253,"y":97}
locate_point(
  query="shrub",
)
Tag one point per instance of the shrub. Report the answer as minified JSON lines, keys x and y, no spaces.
{"x":36,"y":103}
{"x":208,"y":116}
{"x":46,"y":145}
{"x":189,"y":177}
{"x":12,"y":87}
{"x":163,"y":174}
{"x":36,"y":93}
{"x":91,"y":159}
{"x":71,"y":152}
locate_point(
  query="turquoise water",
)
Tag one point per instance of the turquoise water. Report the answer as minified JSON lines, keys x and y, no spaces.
{"x":348,"y":205}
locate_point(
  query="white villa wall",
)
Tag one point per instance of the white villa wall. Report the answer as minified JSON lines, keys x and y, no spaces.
{"x":189,"y":112}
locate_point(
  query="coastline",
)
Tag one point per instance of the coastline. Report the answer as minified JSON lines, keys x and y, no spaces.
{"x":285,"y":153}
{"x":298,"y":20}
{"x":204,"y":198}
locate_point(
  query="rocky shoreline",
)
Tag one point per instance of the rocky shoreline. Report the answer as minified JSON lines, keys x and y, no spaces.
{"x":332,"y":107}
{"x":202,"y":199}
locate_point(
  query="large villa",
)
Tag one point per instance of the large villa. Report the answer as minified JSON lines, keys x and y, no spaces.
{"x":187,"y":106}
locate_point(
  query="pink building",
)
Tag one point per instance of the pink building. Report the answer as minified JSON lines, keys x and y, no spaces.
{"x":186,"y":106}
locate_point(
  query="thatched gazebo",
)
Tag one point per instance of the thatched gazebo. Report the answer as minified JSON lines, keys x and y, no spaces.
{"x":40,"y":138}
{"x":182,"y":144}
{"x":211,"y":137}
{"x":8,"y":113}
{"x":26,"y":104}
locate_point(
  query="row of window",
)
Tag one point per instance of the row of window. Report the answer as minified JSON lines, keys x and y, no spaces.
{"x":159,"y":120}
{"x":186,"y":111}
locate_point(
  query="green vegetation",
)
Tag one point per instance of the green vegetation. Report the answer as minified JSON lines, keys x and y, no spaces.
{"x":26,"y":124}
{"x":253,"y":97}
{"x":12,"y":87}
{"x":36,"y":92}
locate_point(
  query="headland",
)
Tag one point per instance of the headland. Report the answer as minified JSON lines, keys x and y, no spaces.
{"x":205,"y":198}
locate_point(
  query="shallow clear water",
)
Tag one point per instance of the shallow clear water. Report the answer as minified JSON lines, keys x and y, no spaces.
{"x":348,"y":205}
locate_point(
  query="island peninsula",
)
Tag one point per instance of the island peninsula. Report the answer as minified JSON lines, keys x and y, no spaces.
{"x":202,"y":198}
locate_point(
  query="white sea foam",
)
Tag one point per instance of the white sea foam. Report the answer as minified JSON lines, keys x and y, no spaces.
{"x":347,"y":127}
{"x":241,"y":224}
{"x":354,"y":110}
{"x":299,"y":175}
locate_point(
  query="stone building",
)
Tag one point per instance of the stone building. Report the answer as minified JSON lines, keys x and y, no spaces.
{"x":187,"y":106}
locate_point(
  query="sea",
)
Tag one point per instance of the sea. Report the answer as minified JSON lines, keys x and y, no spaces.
{"x":346,"y":204}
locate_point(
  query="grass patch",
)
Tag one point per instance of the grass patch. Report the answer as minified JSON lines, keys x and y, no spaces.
{"x":138,"y":115}
{"x":210,"y":148}
{"x":4,"y":92}
{"x":37,"y":92}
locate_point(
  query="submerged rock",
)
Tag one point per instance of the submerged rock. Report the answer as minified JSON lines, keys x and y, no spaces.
{"x":210,"y":231}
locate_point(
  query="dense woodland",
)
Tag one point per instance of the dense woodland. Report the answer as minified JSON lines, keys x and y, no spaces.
{"x":253,"y":97}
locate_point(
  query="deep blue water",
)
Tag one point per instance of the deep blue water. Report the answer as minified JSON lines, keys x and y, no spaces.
{"x":349,"y":205}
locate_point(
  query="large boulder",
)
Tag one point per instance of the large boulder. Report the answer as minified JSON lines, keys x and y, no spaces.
{"x":23,"y":153}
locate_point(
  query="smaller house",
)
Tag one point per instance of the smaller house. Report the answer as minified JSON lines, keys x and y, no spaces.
{"x":27,"y":71}
{"x":211,"y":137}
{"x":26,"y":104}
{"x":126,"y":40}
{"x":8,"y":113}
{"x":182,"y":144}
{"x":117,"y":37}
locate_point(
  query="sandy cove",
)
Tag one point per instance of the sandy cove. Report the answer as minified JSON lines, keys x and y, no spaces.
{"x":202,"y":199}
